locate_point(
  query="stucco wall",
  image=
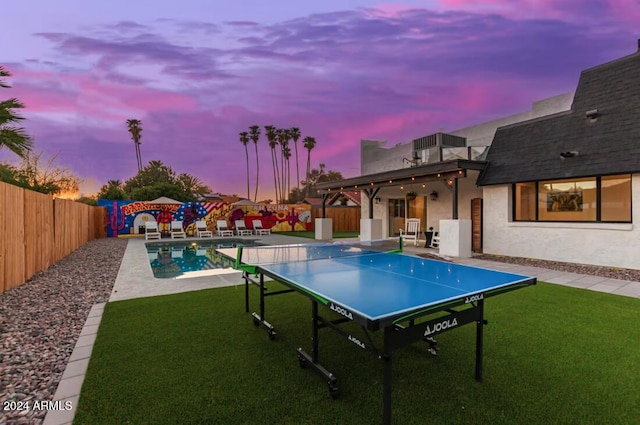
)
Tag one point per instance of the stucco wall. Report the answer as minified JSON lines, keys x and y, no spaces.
{"x":604,"y":244}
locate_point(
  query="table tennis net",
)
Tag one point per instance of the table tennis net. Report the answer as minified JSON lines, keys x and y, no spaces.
{"x":273,"y":254}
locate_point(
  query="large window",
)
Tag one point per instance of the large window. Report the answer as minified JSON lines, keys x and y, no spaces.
{"x":592,"y":199}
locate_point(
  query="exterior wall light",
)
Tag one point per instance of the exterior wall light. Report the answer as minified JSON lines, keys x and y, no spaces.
{"x":434,"y":195}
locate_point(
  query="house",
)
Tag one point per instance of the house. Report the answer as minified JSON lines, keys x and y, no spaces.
{"x":560,"y":182}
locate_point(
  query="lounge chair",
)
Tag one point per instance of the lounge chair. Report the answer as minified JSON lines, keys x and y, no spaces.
{"x":153,"y":253}
{"x":223,"y":229}
{"x":241,"y":229}
{"x":411,"y":232}
{"x":151,"y":230}
{"x":202,"y":231}
{"x":177,"y":252}
{"x":176,"y":230}
{"x":258,"y":229}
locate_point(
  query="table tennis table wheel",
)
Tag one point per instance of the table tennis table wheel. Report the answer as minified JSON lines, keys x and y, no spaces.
{"x":334,"y":391}
{"x":302,"y":361}
{"x":272,"y":334}
{"x":433,"y":346}
{"x":256,"y":322}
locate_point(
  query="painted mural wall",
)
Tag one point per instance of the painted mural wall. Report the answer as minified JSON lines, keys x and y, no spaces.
{"x":128,"y":217}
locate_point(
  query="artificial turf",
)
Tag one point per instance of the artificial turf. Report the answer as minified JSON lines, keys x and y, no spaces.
{"x":552,"y":355}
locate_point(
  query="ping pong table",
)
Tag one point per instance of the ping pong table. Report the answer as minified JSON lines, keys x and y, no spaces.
{"x":378,"y":290}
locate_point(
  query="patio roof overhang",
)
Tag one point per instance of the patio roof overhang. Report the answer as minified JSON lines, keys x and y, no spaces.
{"x":370,"y":184}
{"x":445,"y":170}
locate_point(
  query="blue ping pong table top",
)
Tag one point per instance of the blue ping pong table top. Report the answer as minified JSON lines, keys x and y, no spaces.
{"x":381,"y":285}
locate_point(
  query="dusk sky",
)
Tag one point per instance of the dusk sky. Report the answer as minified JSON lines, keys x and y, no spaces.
{"x":198,"y":72}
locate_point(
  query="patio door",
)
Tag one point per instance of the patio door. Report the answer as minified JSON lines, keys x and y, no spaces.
{"x":396,"y":216}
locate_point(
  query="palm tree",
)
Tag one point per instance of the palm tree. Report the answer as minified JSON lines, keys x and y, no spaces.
{"x":270,"y":131}
{"x":285,"y":153}
{"x":295,"y":135}
{"x":244,"y":139}
{"x":12,"y":137}
{"x":309,"y":144}
{"x":135,"y":128}
{"x":254,"y":135}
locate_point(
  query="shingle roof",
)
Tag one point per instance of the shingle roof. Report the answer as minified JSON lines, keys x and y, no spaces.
{"x":610,"y":144}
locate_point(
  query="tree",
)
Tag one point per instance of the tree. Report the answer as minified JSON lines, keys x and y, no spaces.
{"x":282,"y":135}
{"x":112,"y":191}
{"x":244,"y":139}
{"x":295,"y":135}
{"x":270,"y":131}
{"x":155,"y":172}
{"x":254,"y":135}
{"x":135,"y":128}
{"x":12,"y":137}
{"x":32,"y":174}
{"x":192,"y":184}
{"x":149,"y":193}
{"x":88,"y":200}
{"x":316,"y":176}
{"x":157,"y":179}
{"x":309,"y":144}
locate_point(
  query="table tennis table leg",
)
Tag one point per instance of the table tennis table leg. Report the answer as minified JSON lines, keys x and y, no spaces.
{"x":387,"y":378}
{"x":312,"y":360}
{"x":314,"y":331}
{"x":258,"y":319}
{"x":479,"y":337}
{"x":246,"y":291}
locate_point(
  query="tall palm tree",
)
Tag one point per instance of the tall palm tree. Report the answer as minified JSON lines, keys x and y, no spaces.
{"x":295,"y":135}
{"x":270,"y":131}
{"x":12,"y":137}
{"x":254,"y":135}
{"x":244,"y":139}
{"x":286,"y":152}
{"x":283,"y":140}
{"x":135,"y":128}
{"x":309,"y":144}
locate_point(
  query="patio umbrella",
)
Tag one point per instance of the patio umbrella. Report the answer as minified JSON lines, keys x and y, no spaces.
{"x":164,"y":200}
{"x":246,"y":203}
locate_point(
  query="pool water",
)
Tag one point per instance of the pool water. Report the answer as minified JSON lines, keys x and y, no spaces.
{"x":182,"y":260}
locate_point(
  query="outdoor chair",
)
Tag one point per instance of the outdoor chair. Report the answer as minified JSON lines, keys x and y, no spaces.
{"x":202,"y":231}
{"x":258,"y":229}
{"x":176,"y":230}
{"x":241,"y":229}
{"x":223,"y":229}
{"x":435,"y":241}
{"x":177,"y":252}
{"x":411,"y":232}
{"x":151,"y":230}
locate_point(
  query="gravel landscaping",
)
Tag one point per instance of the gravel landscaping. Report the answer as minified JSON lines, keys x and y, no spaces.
{"x":41,"y":320}
{"x":609,"y":272}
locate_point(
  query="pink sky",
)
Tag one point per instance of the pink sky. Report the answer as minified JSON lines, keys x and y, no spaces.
{"x":198,"y":74}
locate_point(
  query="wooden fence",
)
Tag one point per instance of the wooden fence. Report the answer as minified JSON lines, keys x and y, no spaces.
{"x":37,"y":231}
{"x":345,"y":219}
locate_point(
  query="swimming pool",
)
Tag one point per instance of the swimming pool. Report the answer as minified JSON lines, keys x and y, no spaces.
{"x":183,"y":260}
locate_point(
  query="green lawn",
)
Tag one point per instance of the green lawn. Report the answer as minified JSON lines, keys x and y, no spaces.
{"x":553,"y":355}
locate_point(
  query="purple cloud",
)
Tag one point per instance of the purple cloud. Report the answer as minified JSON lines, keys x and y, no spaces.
{"x":391,"y":73}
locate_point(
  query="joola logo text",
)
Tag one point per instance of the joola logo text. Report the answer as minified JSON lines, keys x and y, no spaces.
{"x":356,"y":341}
{"x":440,"y":326}
{"x":474,"y":298}
{"x":341,"y":310}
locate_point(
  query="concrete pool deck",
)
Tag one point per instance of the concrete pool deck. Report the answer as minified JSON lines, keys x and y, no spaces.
{"x":135,"y":277}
